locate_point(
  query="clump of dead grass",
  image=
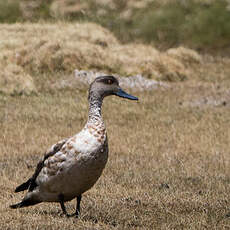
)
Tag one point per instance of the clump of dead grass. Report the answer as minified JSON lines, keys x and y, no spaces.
{"x":63,"y":47}
{"x":59,"y":49}
{"x":13,"y":81}
{"x":186,"y":55}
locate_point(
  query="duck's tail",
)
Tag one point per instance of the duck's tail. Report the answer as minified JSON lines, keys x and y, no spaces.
{"x":27,"y":201}
{"x":23,"y":186}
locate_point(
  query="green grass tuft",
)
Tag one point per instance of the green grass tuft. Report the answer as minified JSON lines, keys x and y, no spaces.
{"x":10,"y":11}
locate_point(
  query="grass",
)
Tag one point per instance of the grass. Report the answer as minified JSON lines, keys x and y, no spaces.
{"x":168,"y":166}
{"x":10,"y":11}
{"x":53,"y":50}
{"x":200,"y":25}
{"x":169,"y":153}
{"x":191,"y":23}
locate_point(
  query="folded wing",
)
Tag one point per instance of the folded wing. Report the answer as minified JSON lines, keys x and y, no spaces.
{"x":31,"y":182}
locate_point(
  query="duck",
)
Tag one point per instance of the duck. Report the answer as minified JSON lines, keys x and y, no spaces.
{"x":73,"y":165}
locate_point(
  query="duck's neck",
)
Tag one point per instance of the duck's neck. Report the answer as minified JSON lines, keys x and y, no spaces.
{"x":95,"y":104}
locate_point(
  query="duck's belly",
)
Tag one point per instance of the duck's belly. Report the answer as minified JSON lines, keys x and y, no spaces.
{"x":75,"y":178}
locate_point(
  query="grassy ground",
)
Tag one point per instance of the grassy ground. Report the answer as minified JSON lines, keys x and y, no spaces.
{"x":169,"y":153}
{"x":168,"y":166}
{"x":198,"y":24}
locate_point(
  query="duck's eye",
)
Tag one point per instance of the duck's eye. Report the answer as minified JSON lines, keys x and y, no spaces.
{"x":109,"y":82}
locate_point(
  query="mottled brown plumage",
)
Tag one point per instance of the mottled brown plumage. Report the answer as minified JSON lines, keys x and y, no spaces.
{"x":73,"y":165}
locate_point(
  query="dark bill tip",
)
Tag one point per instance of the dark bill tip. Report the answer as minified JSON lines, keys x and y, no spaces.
{"x":123,"y":94}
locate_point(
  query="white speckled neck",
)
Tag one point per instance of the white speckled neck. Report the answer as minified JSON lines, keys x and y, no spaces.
{"x":95,"y":104}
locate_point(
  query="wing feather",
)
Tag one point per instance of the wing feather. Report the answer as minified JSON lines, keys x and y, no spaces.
{"x":31,"y":182}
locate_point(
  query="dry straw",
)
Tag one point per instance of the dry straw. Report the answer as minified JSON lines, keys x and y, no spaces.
{"x":63,"y":47}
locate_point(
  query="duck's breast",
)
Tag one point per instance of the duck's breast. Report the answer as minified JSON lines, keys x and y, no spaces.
{"x":76,"y":167}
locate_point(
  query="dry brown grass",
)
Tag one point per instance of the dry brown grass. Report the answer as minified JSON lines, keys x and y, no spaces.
{"x":169,"y":153}
{"x":13,"y":80}
{"x":168,"y":166}
{"x":57,"y":49}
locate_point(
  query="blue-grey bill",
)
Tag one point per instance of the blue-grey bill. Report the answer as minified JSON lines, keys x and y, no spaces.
{"x":123,"y":94}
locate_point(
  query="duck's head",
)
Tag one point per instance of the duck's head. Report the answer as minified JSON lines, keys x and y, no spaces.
{"x":107,"y":85}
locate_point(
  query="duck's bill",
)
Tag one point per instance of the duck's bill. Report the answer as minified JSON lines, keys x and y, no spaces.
{"x":123,"y":94}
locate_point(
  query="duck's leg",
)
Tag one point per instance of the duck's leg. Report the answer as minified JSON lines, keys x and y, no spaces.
{"x":78,"y":206}
{"x":61,"y":201}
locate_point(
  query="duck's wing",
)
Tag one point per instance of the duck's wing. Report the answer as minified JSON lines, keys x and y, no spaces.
{"x":31,"y":182}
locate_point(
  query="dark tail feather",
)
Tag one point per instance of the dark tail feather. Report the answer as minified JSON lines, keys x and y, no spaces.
{"x":25,"y":203}
{"x":23,"y":186}
{"x":18,"y":205}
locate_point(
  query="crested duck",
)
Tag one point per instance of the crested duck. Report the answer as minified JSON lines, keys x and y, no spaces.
{"x":73,"y":165}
